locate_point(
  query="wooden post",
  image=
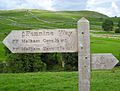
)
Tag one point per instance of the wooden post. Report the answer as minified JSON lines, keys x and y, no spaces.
{"x":84,"y":54}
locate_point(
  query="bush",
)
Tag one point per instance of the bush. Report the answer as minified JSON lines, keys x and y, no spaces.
{"x":52,"y":60}
{"x":3,"y":67}
{"x":107,"y":25}
{"x":117,"y":30}
{"x":18,"y":63}
{"x":71,"y":61}
{"x":118,"y":24}
{"x":25,"y":63}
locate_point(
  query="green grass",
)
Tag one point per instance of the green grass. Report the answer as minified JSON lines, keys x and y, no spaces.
{"x":2,"y":53}
{"x":104,"y":32}
{"x":105,"y":45}
{"x":105,"y":80}
{"x":59,"y":81}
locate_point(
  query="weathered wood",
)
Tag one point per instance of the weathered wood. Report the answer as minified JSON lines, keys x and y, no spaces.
{"x":103,"y":61}
{"x":84,"y":54}
{"x":40,"y":41}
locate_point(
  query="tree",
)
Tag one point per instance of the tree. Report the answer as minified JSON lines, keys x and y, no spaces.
{"x":117,"y":30}
{"x":107,"y":25}
{"x":53,"y":61}
{"x":118,"y":24}
{"x":24,"y":62}
{"x":71,"y":61}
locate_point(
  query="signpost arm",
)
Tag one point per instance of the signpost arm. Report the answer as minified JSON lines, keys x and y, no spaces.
{"x":83,"y":54}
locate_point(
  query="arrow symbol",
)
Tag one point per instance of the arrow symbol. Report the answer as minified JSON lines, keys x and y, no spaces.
{"x":103,"y":61}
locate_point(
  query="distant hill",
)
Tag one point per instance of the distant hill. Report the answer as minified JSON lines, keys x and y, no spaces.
{"x":88,"y":14}
{"x":32,"y":19}
{"x":22,"y":19}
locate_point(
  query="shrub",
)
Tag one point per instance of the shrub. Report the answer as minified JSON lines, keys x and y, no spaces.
{"x":117,"y":30}
{"x":71,"y":61}
{"x":107,"y":25}
{"x":3,"y":67}
{"x":25,"y":63}
{"x":52,"y":60}
{"x":118,"y":24}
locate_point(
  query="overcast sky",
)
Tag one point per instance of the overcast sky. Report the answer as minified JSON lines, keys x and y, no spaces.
{"x":108,"y":7}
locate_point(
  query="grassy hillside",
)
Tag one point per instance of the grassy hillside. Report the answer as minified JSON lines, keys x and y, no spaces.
{"x":59,"y":81}
{"x":105,"y":45}
{"x":34,"y":19}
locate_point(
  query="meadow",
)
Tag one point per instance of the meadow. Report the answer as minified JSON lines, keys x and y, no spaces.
{"x":107,"y":80}
{"x":105,"y":45}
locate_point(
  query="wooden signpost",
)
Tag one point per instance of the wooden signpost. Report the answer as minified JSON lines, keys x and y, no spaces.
{"x":103,"y":61}
{"x":62,"y":40}
{"x":42,"y":41}
{"x":83,"y":54}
